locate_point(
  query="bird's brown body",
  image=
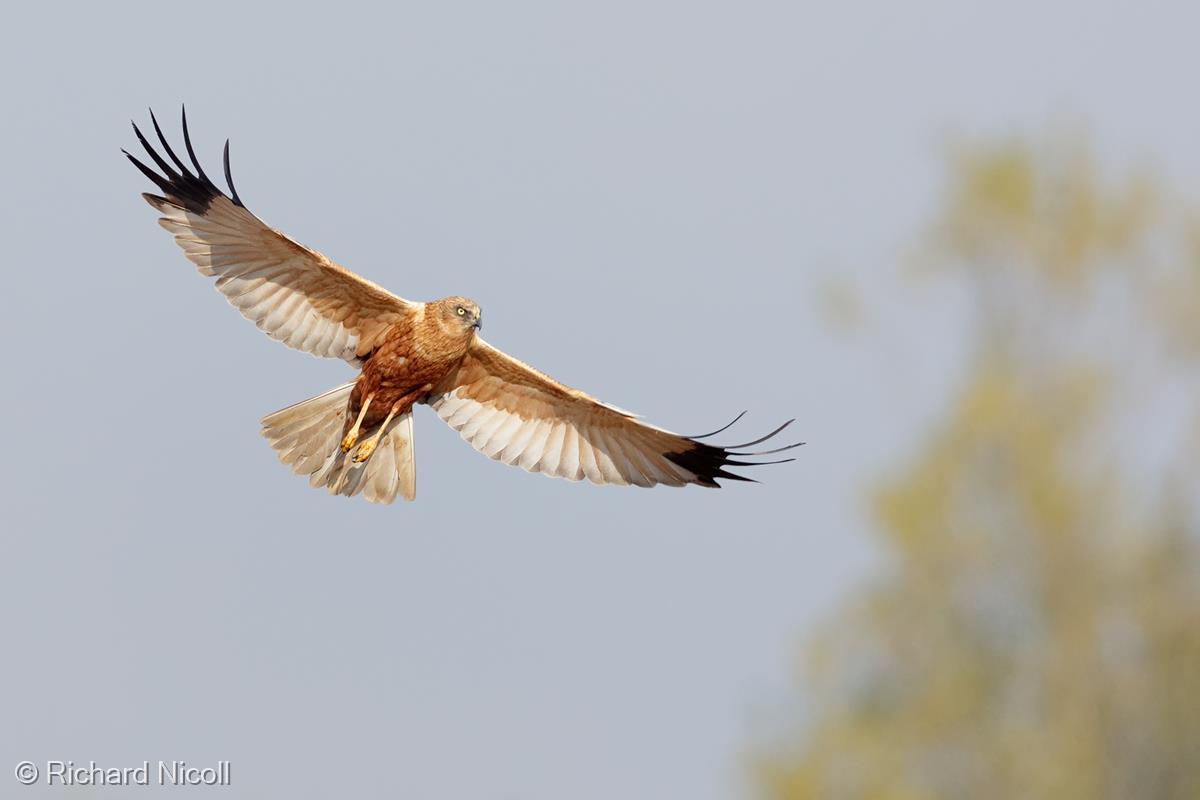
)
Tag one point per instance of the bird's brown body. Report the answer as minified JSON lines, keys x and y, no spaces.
{"x":415,"y":355}
{"x":407,"y":353}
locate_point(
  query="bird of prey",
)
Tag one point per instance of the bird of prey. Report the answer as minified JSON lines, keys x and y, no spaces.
{"x":358,"y":438}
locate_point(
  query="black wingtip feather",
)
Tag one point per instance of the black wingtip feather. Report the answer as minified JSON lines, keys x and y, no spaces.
{"x":758,"y":463}
{"x":192,"y":192}
{"x":765,"y":438}
{"x":166,"y":146}
{"x":767,"y":452}
{"x":719,"y":430}
{"x":708,"y":462}
{"x":162,"y":165}
{"x":159,"y":181}
{"x":187,"y":142}
{"x":229,"y":178}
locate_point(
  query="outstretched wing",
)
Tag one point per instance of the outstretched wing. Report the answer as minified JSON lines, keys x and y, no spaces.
{"x":510,"y":412}
{"x":293,"y":294}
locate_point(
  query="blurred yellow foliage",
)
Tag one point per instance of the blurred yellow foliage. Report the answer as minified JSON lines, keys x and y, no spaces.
{"x":1022,"y":206}
{"x":1175,"y":297}
{"x":1037,"y":634}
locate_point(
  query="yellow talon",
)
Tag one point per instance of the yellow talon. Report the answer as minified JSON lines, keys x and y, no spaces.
{"x":352,"y":435}
{"x":365,"y":450}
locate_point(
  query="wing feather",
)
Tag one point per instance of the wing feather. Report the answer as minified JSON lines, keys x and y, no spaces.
{"x":292,"y":293}
{"x":510,"y":412}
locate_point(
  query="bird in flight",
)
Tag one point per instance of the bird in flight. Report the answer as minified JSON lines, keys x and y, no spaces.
{"x":358,"y":438}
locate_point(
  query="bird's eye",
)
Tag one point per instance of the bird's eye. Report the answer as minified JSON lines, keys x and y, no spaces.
{"x":461,"y":311}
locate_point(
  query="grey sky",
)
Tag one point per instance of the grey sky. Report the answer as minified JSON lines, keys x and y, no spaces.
{"x":643,"y":197}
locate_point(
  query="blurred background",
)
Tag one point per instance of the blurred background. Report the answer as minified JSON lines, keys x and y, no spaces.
{"x":1034,"y":630}
{"x":960,"y":242}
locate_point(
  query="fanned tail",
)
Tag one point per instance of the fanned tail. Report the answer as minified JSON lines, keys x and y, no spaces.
{"x":308,"y":438}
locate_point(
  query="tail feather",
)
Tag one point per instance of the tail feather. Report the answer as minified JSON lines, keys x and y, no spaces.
{"x":308,"y":438}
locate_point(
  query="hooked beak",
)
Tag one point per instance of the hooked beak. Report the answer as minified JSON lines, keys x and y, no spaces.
{"x":479,"y":323}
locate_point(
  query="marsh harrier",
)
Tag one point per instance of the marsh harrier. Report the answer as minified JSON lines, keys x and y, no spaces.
{"x":406,"y":353}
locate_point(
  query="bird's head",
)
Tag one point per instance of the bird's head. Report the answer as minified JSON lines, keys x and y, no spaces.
{"x":460,"y":313}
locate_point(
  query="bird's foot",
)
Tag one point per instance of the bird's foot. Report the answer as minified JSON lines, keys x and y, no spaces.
{"x":352,"y":434}
{"x":365,"y":450}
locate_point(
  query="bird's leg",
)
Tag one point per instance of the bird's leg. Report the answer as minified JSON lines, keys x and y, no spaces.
{"x":352,"y":435}
{"x":368,"y":447}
